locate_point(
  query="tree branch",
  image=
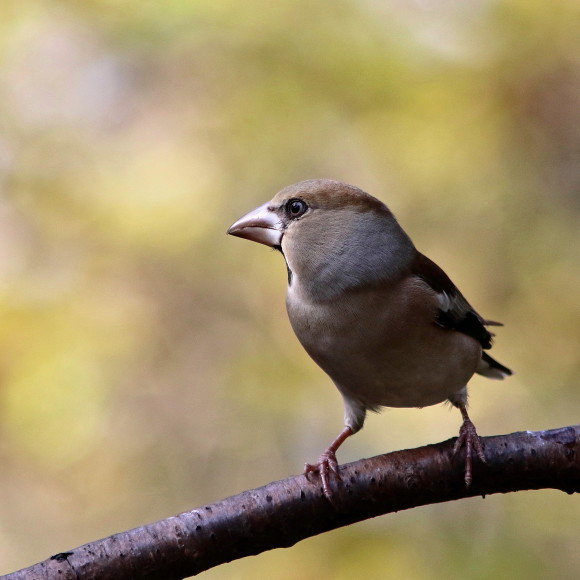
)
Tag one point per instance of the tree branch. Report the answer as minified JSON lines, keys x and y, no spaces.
{"x":285,"y":512}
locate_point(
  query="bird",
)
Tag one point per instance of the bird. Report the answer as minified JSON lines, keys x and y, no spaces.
{"x":382,"y":320}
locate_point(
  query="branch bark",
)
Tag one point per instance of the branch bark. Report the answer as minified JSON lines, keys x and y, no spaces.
{"x":282,"y":513}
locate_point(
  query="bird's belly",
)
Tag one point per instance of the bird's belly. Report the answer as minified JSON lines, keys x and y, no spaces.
{"x":394,"y":385}
{"x":416,"y":378}
{"x":383,"y":362}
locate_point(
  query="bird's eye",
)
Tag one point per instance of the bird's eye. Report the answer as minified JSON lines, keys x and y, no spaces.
{"x":295,"y":208}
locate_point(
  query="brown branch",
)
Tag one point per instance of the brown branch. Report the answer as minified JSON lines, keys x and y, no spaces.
{"x":285,"y":512}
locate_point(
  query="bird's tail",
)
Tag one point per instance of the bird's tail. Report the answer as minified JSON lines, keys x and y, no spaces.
{"x":490,"y":368}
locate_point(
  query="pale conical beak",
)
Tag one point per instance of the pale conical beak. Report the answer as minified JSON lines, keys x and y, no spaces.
{"x":260,"y":225}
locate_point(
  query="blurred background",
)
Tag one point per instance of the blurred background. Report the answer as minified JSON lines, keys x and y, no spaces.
{"x":146,"y":362}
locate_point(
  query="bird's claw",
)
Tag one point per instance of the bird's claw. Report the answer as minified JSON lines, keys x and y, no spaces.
{"x":469,"y":439}
{"x":326,"y":467}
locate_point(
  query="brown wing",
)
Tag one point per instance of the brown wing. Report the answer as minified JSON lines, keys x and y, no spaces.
{"x":455,"y":312}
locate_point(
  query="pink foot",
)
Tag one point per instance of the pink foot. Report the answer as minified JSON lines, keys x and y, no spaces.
{"x":326,"y":466}
{"x":469,"y":438}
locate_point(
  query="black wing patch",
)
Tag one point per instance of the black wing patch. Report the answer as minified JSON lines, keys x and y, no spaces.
{"x":470,"y":324}
{"x":455,"y":313}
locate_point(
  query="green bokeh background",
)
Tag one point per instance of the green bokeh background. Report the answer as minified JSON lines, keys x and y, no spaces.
{"x":146,"y":362}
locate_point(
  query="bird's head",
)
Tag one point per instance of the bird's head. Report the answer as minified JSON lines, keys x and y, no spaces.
{"x":332,"y":234}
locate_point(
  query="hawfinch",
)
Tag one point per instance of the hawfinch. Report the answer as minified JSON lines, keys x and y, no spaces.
{"x":381,"y":319}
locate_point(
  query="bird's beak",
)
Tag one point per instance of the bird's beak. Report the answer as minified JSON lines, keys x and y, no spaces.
{"x":260,"y":225}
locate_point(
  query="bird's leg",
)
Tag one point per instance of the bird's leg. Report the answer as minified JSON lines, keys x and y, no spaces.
{"x":469,"y":438}
{"x":327,"y":462}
